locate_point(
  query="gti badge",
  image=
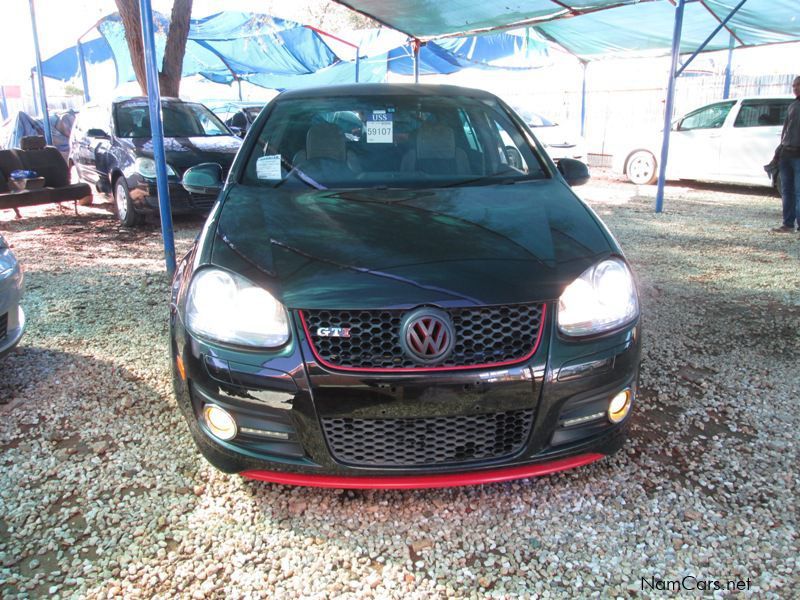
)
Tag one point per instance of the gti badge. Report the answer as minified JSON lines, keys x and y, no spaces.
{"x":340,"y":332}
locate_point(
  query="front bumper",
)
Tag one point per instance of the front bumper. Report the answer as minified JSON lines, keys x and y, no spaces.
{"x":12,"y":317}
{"x":144,"y":195}
{"x":281,"y":401}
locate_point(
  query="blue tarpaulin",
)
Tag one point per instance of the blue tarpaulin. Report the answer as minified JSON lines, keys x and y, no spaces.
{"x":22,"y":124}
{"x":280,"y":54}
{"x":218,"y":47}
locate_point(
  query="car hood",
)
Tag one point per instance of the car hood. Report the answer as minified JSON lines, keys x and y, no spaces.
{"x":185,"y":152}
{"x":401,"y":248}
{"x":557,"y":136}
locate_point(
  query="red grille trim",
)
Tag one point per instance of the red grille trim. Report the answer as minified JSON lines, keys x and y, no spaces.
{"x":334,"y":367}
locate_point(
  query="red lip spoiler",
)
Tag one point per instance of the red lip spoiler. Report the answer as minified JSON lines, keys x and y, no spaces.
{"x":408,"y":482}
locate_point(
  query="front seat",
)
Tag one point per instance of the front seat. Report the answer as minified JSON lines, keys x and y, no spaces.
{"x":436,"y":153}
{"x":326,"y":149}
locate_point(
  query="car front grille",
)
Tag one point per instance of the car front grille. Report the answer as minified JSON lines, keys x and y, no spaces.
{"x":3,"y":325}
{"x":202,"y":202}
{"x":484,"y":336}
{"x":427,"y":441}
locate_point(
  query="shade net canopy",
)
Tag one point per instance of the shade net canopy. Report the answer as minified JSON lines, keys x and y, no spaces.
{"x":221,"y":47}
{"x":279,"y":54}
{"x":594,"y":29}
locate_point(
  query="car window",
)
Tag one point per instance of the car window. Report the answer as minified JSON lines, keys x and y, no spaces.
{"x":762,"y":113}
{"x":708,"y":117}
{"x":180,"y":119}
{"x":392,"y":141}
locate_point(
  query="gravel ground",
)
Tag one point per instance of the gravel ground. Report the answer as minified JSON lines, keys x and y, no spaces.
{"x":102,"y":493}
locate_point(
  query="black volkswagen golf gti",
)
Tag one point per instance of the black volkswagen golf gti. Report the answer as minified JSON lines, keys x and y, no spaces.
{"x":421,"y":301}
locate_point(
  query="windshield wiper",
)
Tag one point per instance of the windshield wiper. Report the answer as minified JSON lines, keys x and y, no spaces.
{"x":491,"y":176}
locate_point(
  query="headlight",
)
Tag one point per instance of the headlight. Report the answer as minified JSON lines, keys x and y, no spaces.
{"x":146,"y":167}
{"x":228,"y":308}
{"x":601,"y":299}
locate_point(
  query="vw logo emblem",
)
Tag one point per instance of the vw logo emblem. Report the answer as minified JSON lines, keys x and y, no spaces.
{"x":427,"y":335}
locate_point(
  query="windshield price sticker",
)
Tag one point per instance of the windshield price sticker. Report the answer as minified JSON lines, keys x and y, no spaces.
{"x":269,"y":167}
{"x":380,"y":127}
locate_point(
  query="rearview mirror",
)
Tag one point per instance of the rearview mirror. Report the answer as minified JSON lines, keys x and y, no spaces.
{"x":97,"y":133}
{"x":574,"y":171}
{"x":205,"y":178}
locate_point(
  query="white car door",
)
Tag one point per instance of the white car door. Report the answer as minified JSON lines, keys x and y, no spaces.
{"x":750,"y":142}
{"x":695,"y":144}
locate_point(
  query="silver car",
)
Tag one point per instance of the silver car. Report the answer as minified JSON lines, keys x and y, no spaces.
{"x":12,"y":317}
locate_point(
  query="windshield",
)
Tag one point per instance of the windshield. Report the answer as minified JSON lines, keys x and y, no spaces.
{"x":181,"y":119}
{"x":390,"y":141}
{"x":533,"y":119}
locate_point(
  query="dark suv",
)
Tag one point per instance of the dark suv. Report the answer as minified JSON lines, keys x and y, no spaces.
{"x":110,"y":147}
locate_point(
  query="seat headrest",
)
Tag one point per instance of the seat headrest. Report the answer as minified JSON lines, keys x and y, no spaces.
{"x":325,"y":141}
{"x":436,"y":142}
{"x":32,"y":142}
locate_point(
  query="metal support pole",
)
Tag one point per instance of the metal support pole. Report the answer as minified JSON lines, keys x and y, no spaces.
{"x":358,"y":61}
{"x":585,"y":64}
{"x":415,"y":47}
{"x":676,"y":47}
{"x":157,"y":132}
{"x":42,"y":96}
{"x":4,"y":106}
{"x":239,"y":81}
{"x":33,"y":94}
{"x":710,"y":37}
{"x":726,"y":90}
{"x":84,"y":76}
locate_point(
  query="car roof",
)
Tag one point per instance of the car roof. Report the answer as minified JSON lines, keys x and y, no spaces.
{"x":386,"y":89}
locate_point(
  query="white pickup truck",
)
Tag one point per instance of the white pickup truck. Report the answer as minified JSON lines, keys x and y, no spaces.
{"x":728,"y":141}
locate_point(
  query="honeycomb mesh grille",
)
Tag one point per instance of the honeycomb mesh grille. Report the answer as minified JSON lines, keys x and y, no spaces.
{"x":427,"y":441}
{"x":484,"y":336}
{"x":3,"y":325}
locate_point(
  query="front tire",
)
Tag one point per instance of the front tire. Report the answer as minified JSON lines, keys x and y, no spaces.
{"x":123,"y":205}
{"x":641,"y":168}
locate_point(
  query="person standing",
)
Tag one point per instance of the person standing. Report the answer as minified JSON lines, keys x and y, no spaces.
{"x":789,"y":164}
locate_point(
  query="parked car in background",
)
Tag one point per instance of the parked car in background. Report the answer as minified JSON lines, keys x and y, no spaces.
{"x":111,"y":148}
{"x":12,"y":317}
{"x":382,"y":298}
{"x":559,"y":141}
{"x":728,"y":141}
{"x":238,"y":116}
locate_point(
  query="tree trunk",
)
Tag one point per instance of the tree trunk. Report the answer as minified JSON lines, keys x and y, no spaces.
{"x":169,"y":78}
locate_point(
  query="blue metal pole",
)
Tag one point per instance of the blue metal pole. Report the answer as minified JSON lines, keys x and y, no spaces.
{"x":42,"y":96}
{"x":726,"y":91}
{"x":33,"y":95}
{"x":676,"y":47}
{"x":415,"y":46}
{"x":157,"y":132}
{"x":583,"y":99}
{"x":358,"y":61}
{"x":4,"y":106}
{"x":84,"y":76}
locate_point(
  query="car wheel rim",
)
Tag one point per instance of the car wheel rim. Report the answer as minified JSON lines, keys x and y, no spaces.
{"x":122,"y":202}
{"x":641,"y":169}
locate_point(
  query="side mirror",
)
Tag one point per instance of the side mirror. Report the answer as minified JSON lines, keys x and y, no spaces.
{"x":574,"y":171}
{"x":97,"y":133}
{"x":205,"y":178}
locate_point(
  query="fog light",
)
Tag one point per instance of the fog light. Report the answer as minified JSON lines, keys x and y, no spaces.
{"x":619,"y":406}
{"x":220,"y":422}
